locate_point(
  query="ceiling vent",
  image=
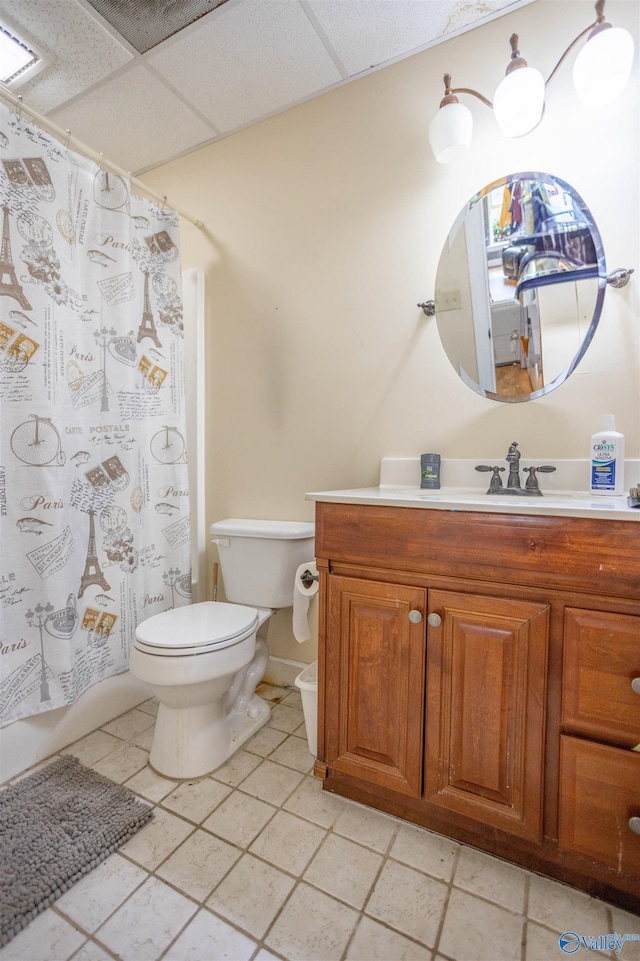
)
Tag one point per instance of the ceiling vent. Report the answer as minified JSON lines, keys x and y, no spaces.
{"x":146,"y":23}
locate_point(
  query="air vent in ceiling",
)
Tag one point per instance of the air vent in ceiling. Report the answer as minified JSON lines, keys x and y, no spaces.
{"x":146,"y":23}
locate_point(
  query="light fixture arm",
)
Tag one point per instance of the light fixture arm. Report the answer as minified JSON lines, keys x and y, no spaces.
{"x":474,"y":93}
{"x":449,"y":90}
{"x":583,"y":33}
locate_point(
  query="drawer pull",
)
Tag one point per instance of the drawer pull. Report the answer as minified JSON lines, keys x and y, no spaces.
{"x":434,"y":620}
{"x":634,"y":824}
{"x":635,"y":685}
{"x":415,"y":617}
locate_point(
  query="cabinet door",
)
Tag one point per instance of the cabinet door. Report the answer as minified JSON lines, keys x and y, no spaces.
{"x":600,"y":804}
{"x":486,"y":685}
{"x":374,"y":687}
{"x":601,"y":663}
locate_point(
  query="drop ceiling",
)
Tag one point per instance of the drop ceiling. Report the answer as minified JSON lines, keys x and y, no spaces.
{"x":209,"y":68}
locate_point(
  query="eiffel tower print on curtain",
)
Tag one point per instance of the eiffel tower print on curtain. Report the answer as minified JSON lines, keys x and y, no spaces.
{"x":10,"y":288}
{"x":92,"y":570}
{"x":147,"y":326}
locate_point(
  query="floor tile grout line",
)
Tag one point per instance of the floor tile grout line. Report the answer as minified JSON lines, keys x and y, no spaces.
{"x":81,"y":930}
{"x":525,"y":910}
{"x":278,"y":914}
{"x":102,"y":947}
{"x":361,"y":913}
{"x":445,"y":907}
{"x":200,"y":907}
{"x":488,"y":900}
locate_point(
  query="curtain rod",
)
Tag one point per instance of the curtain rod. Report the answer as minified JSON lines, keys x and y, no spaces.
{"x":65,"y":137}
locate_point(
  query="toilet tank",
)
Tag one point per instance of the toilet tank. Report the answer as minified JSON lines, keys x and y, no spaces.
{"x":259,"y":559}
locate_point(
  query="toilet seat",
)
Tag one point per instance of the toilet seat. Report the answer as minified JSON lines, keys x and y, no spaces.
{"x":195,"y":629}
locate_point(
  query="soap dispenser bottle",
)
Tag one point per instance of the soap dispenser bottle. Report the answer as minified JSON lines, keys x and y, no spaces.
{"x":607,"y":458}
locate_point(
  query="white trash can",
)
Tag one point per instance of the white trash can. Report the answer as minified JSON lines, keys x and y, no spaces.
{"x":307,"y":682}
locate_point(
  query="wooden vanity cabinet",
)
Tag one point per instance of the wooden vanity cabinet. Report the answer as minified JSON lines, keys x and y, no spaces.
{"x":475,"y":677}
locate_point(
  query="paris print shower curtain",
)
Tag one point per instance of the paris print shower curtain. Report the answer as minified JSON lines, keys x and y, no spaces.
{"x":94,"y":507}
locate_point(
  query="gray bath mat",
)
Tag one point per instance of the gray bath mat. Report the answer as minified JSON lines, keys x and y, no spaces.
{"x":56,"y":825}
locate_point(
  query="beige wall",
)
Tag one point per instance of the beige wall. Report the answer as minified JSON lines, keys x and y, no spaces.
{"x":324,"y":229}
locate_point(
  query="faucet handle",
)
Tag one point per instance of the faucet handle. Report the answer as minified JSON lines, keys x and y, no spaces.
{"x":532,"y":481}
{"x":496,"y":480}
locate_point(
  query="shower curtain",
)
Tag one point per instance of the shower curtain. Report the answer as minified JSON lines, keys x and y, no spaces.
{"x":94,"y":500}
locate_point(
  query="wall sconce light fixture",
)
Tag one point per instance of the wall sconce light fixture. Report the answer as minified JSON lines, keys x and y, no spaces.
{"x":600,"y":73}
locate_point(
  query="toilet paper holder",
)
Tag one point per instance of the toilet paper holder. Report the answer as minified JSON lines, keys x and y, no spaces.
{"x":308,"y":578}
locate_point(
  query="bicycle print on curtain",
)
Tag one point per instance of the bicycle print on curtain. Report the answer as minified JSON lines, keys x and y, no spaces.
{"x":94,"y":506}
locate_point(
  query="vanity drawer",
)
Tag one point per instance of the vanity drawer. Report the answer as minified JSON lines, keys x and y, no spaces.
{"x":601,"y":660}
{"x":599,"y":797}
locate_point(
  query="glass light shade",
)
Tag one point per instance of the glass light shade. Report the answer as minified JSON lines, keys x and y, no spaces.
{"x":450,"y":133}
{"x":603,"y":66}
{"x":519,"y":101}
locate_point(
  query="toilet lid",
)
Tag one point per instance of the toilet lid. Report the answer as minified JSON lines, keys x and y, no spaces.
{"x":196,"y":628}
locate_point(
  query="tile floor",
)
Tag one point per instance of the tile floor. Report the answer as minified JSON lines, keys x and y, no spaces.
{"x":257,"y":862}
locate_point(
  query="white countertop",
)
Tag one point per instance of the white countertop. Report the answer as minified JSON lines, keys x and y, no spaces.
{"x":392,"y":492}
{"x":558,"y":503}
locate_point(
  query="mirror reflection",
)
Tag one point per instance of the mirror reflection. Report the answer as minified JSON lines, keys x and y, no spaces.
{"x":519,"y":287}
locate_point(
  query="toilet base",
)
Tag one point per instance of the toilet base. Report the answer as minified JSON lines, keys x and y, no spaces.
{"x":203,"y":738}
{"x":244,"y":726}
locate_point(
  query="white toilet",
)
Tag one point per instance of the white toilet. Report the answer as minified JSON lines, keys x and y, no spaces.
{"x":204,"y":661}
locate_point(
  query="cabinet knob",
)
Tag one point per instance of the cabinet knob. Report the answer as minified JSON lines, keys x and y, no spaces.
{"x":634,"y":824}
{"x":434,"y":620}
{"x":415,"y":617}
{"x":635,"y":685}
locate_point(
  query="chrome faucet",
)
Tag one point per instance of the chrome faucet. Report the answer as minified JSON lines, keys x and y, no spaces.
{"x":531,"y":487}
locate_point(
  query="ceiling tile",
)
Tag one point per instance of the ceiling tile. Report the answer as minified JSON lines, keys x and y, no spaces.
{"x":80,"y":50}
{"x":135,"y":120}
{"x":371,"y":32}
{"x":247,"y":62}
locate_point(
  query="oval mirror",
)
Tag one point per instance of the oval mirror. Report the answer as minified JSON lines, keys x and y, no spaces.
{"x":520,"y":286}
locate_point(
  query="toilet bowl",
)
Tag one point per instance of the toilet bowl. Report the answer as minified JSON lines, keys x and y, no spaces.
{"x":189,"y":657}
{"x":204,"y":661}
